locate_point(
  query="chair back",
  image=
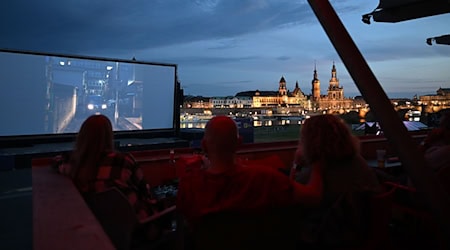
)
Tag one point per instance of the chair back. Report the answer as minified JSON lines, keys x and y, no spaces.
{"x":380,"y":218}
{"x":275,"y":229}
{"x":116,"y":215}
{"x":444,"y":178}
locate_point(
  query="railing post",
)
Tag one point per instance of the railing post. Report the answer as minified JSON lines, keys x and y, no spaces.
{"x":413,"y":161}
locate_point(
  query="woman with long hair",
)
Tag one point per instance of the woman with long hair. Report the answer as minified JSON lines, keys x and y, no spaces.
{"x":94,"y":165}
{"x":94,"y":142}
{"x":348,"y":183}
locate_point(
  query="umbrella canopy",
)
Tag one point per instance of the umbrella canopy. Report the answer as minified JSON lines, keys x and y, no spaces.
{"x":392,"y":11}
{"x":444,"y":39}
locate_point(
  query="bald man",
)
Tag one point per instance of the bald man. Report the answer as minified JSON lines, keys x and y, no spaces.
{"x":228,"y":186}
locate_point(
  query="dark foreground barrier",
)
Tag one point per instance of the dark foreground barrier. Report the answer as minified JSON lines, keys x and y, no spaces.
{"x":61,"y":218}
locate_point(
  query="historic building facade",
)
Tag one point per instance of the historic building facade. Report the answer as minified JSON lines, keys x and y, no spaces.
{"x":232,"y":102}
{"x":434,"y":103}
{"x":197,"y":102}
{"x":333,"y":100}
{"x":283,"y":97}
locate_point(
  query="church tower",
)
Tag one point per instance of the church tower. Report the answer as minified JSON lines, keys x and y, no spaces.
{"x":334,"y":82}
{"x":335,"y":92}
{"x":282,"y":91}
{"x":315,"y":91}
{"x":296,"y":90}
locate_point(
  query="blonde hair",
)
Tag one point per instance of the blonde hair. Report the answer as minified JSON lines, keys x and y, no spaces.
{"x":327,"y":138}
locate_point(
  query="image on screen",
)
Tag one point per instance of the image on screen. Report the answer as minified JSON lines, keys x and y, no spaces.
{"x":52,"y":94}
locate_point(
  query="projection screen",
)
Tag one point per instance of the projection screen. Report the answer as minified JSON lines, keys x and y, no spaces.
{"x":49,"y":94}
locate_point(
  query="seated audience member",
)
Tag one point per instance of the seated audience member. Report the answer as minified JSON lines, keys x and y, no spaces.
{"x":227,"y":185}
{"x":348,"y":183}
{"x":95,"y":166}
{"x":436,"y":151}
{"x":436,"y":146}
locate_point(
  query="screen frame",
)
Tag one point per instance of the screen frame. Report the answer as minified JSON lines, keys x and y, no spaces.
{"x":11,"y":141}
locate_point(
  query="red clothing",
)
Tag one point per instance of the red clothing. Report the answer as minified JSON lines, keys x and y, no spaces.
{"x":244,"y":189}
{"x":118,"y":170}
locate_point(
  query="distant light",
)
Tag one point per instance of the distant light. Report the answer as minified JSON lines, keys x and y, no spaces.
{"x":62,"y":63}
{"x":109,"y":67}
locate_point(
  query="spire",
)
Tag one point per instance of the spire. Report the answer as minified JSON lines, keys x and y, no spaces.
{"x":282,"y":87}
{"x":334,"y":81}
{"x":333,"y":72}
{"x":315,"y":91}
{"x":315,"y":77}
{"x":296,"y":84}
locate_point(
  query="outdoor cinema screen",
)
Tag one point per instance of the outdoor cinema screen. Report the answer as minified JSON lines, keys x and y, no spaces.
{"x":53,"y":94}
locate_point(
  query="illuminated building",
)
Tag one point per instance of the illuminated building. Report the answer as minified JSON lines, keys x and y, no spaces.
{"x":434,"y":103}
{"x":333,"y":101}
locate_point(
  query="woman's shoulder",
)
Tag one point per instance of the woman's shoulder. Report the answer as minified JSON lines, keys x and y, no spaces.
{"x":356,"y":176}
{"x":350,"y":166}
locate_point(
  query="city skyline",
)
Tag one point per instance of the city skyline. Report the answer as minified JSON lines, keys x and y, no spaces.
{"x":225,"y":47}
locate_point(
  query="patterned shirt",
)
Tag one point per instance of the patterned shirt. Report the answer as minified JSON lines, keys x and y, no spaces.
{"x":121,"y":170}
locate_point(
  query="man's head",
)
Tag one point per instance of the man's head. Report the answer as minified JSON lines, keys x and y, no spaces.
{"x":221,"y":137}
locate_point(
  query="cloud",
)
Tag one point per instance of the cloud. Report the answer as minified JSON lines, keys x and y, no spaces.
{"x":252,"y":42}
{"x":117,"y":27}
{"x":284,"y":58}
{"x":86,"y":26}
{"x":207,"y":60}
{"x":225,"y":44}
{"x":401,"y":48}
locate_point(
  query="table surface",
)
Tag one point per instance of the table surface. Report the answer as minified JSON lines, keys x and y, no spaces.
{"x":387,"y":164}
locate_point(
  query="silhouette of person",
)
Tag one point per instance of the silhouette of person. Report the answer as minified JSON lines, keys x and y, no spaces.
{"x":227,"y":185}
{"x":94,"y":166}
{"x":436,"y":146}
{"x":347,"y":182}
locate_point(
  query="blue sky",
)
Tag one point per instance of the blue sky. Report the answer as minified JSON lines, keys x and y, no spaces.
{"x":225,"y":46}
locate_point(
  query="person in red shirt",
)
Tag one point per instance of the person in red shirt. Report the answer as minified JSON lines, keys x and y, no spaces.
{"x":226,"y":185}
